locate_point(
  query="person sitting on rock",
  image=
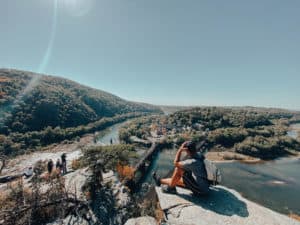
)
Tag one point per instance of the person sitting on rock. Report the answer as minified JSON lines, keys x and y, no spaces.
{"x":28,"y":172}
{"x":189,"y":173}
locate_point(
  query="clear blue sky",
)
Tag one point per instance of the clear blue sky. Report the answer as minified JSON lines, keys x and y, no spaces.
{"x":193,"y":52}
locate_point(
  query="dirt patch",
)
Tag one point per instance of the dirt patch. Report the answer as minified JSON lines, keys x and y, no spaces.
{"x":4,"y":79}
{"x":70,"y":146}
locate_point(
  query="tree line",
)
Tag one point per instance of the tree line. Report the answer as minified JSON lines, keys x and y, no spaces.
{"x":256,"y":132}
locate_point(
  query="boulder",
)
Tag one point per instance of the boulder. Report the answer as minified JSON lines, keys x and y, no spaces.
{"x":146,"y":220}
{"x":222,"y":206}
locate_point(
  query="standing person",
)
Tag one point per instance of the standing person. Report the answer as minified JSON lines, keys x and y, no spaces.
{"x":50,"y":166}
{"x":64,"y":163}
{"x":58,"y":166}
{"x":189,"y":173}
{"x":111,"y":141}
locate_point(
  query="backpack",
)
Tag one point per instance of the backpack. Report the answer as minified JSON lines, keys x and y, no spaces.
{"x":213,"y":173}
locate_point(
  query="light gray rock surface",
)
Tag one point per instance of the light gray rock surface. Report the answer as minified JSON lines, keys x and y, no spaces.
{"x":75,"y":180}
{"x":70,"y":220}
{"x":146,"y":220}
{"x":222,"y":206}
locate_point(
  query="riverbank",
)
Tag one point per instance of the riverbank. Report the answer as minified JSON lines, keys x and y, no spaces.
{"x":230,"y":157}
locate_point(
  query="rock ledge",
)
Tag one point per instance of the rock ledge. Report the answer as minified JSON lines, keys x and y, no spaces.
{"x":222,"y":206}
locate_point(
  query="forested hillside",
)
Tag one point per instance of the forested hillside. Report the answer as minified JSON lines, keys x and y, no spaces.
{"x":32,"y":102}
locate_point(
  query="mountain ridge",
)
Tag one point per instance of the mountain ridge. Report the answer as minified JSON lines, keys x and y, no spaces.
{"x":55,"y":101}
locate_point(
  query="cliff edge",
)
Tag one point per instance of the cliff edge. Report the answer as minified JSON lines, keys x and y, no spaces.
{"x":222,"y":206}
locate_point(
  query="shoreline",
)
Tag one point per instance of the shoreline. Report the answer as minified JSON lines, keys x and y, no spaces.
{"x":227,"y":157}
{"x":218,"y":157}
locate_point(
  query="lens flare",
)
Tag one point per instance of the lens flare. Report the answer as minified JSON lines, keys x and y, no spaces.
{"x":4,"y":111}
{"x":77,"y":8}
{"x":45,"y":60}
{"x":51,"y":40}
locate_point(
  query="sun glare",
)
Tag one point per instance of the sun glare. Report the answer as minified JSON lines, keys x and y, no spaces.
{"x":77,"y":7}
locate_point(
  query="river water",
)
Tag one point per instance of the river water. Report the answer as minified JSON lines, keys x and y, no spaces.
{"x":111,"y":134}
{"x":274,"y":184}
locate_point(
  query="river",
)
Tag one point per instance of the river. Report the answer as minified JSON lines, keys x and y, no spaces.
{"x":110,"y":134}
{"x":274,"y":184}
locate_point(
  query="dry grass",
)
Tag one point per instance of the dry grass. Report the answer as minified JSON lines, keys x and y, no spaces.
{"x":76,"y":164}
{"x":125,"y":171}
{"x":15,"y":194}
{"x":159,"y":213}
{"x":21,"y":203}
{"x":294,"y":216}
{"x":4,"y":199}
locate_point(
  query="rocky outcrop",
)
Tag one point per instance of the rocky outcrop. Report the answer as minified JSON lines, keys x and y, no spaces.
{"x":109,"y":204}
{"x":146,"y":220}
{"x":75,"y":180}
{"x":221,"y":206}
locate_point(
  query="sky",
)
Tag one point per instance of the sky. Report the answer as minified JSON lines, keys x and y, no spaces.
{"x":171,"y":52}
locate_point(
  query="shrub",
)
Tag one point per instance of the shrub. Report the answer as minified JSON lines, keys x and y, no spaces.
{"x":76,"y":164}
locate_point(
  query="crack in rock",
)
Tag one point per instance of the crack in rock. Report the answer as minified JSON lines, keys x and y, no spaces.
{"x":178,"y":207}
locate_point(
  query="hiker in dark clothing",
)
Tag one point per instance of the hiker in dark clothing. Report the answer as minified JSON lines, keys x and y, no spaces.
{"x":50,"y":166}
{"x":64,"y":163}
{"x":98,"y":172}
{"x":111,"y":141}
{"x":189,"y":173}
{"x":58,"y":166}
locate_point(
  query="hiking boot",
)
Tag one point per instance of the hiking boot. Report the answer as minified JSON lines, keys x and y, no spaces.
{"x":156,"y":179}
{"x":169,"y":190}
